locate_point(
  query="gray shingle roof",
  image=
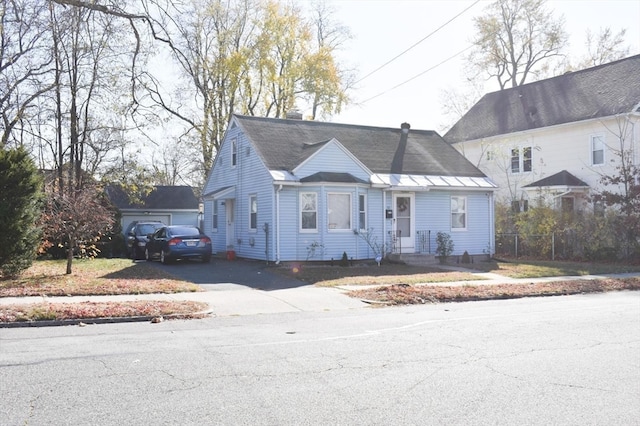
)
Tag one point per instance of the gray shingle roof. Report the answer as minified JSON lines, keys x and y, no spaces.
{"x":161,"y":198}
{"x":563,"y":178}
{"x":600,"y":91}
{"x":284,"y":144}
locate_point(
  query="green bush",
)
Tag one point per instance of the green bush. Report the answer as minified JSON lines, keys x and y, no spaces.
{"x":20,"y":209}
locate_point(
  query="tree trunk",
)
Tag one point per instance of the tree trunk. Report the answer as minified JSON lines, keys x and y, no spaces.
{"x":70,"y":255}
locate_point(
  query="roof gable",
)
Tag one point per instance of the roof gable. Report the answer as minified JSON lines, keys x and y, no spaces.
{"x":563,"y":178}
{"x":286,"y":144}
{"x":601,"y":91}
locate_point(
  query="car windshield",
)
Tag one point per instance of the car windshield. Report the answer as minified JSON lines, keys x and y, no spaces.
{"x":185,"y":231}
{"x":148,"y":228}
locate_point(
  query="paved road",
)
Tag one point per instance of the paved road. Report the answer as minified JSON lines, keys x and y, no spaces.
{"x":572,"y":360}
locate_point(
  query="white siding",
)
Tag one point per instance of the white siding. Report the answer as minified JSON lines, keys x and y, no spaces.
{"x":564,"y":147}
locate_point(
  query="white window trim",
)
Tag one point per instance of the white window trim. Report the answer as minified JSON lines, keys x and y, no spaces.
{"x":365,"y":211}
{"x":350,"y":227}
{"x":604,"y":151}
{"x":466,"y":214}
{"x":520,"y":149}
{"x":234,"y":153}
{"x":310,"y":230}
{"x":251,"y":197}
{"x":215,"y":215}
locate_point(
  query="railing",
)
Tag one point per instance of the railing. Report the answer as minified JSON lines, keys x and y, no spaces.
{"x":423,"y":241}
{"x":396,"y":241}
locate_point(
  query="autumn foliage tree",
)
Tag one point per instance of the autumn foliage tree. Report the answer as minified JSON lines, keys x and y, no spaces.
{"x":76,"y":219}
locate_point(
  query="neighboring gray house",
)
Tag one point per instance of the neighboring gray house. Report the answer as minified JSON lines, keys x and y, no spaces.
{"x":172,"y":205}
{"x":553,"y":139}
{"x":295,"y":190}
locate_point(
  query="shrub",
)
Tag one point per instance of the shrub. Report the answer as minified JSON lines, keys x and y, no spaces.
{"x":444,"y":246}
{"x":20,"y":196}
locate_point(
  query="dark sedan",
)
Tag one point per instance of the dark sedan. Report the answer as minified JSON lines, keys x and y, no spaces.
{"x":174,"y":242}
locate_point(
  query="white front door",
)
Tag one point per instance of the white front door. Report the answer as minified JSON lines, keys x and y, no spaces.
{"x":403,"y":204}
{"x":230,"y":213}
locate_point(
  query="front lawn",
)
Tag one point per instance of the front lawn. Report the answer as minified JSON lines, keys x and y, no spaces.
{"x":93,"y":277}
{"x":518,"y":268}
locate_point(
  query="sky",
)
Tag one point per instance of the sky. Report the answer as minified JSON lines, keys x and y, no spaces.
{"x":382,"y":30}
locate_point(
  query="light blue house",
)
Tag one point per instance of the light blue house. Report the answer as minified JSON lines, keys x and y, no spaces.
{"x":296,"y":190}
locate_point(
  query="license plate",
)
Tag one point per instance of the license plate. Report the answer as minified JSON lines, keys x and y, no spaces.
{"x":191,"y":243}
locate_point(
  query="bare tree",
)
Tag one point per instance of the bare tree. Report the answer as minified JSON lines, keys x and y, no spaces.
{"x":516,"y":40}
{"x":26,"y":64}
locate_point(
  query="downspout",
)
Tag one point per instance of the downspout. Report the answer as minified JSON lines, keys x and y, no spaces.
{"x":276,"y":234}
{"x":492,"y":228}
{"x":384,"y":220}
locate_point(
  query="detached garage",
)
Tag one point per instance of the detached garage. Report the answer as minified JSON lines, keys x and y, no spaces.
{"x":171,"y":205}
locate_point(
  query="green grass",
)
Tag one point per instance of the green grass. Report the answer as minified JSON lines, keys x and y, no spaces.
{"x":93,"y":277}
{"x":541,"y":268}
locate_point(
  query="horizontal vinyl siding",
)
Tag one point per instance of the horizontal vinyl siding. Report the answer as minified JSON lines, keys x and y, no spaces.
{"x":296,"y":246}
{"x":332,"y":159}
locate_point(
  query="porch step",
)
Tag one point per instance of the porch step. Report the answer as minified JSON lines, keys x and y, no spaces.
{"x":414,"y":259}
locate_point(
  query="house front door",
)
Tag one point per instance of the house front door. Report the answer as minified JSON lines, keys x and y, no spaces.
{"x":230,"y":213}
{"x":404,"y":222}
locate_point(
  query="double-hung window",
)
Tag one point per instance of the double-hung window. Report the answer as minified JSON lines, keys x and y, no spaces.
{"x":308,"y":212}
{"x":234,"y":152}
{"x":521,"y":160}
{"x":338,"y":211}
{"x":597,"y":150}
{"x":253,"y":212}
{"x":214,"y":220}
{"x":362,"y":212}
{"x":458,"y":213}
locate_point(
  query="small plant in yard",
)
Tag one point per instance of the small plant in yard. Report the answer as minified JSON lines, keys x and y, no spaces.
{"x":379,"y":250}
{"x":444,"y":246}
{"x":313,"y":248}
{"x":345,"y":259}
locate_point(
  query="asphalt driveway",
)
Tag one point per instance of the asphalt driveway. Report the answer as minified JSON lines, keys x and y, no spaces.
{"x":222,"y":274}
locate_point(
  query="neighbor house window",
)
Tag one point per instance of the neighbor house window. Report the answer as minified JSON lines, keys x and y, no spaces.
{"x":253,"y":212}
{"x":234,"y":152}
{"x":339,"y":211}
{"x":308,"y":211}
{"x":215,"y":215}
{"x":362,"y":212}
{"x":597,"y":150}
{"x":459,"y":213}
{"x":567,"y":204}
{"x":521,"y":160}
{"x":518,"y":206}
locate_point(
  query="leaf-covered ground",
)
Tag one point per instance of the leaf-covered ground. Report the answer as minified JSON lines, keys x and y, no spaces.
{"x":93,"y":277}
{"x":93,"y":310}
{"x":405,"y":294}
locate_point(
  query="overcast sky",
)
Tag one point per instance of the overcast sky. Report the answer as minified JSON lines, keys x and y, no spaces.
{"x":383,"y":29}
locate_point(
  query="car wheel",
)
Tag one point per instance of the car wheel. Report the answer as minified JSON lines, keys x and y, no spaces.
{"x":206,"y":259}
{"x":147,"y":256}
{"x":134,"y":254}
{"x":164,"y":258}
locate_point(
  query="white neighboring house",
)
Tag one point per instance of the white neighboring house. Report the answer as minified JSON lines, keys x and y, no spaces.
{"x":554,"y":138}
